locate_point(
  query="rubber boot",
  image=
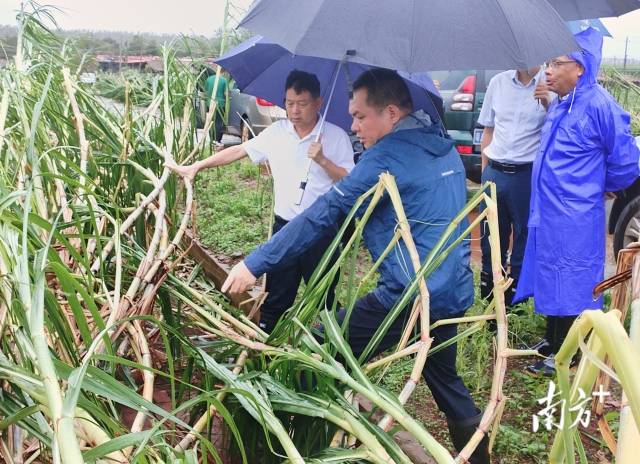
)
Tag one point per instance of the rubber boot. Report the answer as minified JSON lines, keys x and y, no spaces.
{"x":461,"y":432}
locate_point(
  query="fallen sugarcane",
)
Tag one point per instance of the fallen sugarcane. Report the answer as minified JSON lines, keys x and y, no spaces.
{"x":608,"y":353}
{"x":102,"y":311}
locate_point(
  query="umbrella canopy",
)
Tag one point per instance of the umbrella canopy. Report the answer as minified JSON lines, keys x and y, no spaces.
{"x":417,"y":35}
{"x":586,"y":9}
{"x":582,"y":24}
{"x":260,"y":68}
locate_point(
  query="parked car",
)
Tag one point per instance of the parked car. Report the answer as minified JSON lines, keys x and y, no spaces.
{"x":248,"y":115}
{"x":463,"y":93}
{"x":624,"y":217}
{"x":248,"y":111}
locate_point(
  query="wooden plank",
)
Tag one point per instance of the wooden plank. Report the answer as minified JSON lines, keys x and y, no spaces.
{"x":218,"y":272}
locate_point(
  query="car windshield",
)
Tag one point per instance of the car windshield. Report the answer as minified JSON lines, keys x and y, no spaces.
{"x":450,"y":80}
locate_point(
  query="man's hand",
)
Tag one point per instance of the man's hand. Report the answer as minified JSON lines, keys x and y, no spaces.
{"x":188,"y":172}
{"x":316,"y":154}
{"x":542,"y":94}
{"x":610,"y":195}
{"x":239,"y":280}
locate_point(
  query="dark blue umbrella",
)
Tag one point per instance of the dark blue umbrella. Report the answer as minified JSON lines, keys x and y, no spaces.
{"x":582,"y":24}
{"x":585,"y":9}
{"x":260,"y":68}
{"x":417,"y":35}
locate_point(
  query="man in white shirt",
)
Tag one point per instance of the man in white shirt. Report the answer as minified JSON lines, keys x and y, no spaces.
{"x":513,"y":112}
{"x":287,"y":145}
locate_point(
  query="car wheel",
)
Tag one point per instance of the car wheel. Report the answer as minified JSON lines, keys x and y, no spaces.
{"x":628,"y":226}
{"x":245,"y":132}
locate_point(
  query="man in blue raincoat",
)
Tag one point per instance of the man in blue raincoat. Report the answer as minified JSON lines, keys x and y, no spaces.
{"x":586,"y":151}
{"x":431,"y":181}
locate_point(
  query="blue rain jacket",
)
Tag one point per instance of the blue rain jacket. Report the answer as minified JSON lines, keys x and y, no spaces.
{"x":586,"y":150}
{"x":431,"y":181}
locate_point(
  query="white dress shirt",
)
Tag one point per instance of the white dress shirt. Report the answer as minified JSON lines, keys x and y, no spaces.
{"x":516,"y":118}
{"x":287,"y":154}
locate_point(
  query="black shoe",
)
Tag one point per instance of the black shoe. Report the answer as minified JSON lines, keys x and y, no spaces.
{"x":546,"y":367}
{"x":462,"y":431}
{"x":543,"y":347}
{"x":486,"y":286}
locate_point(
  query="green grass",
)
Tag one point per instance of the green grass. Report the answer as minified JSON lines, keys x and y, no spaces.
{"x":234,"y":203}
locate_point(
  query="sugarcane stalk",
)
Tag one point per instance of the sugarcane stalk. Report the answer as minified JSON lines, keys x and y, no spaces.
{"x":138,"y":338}
{"x":613,"y":341}
{"x":17,"y":443}
{"x":415,"y":311}
{"x":411,"y":349}
{"x":64,"y":433}
{"x":628,"y":436}
{"x":79,"y":122}
{"x":128,"y":222}
{"x":138,"y":279}
{"x":405,"y":232}
{"x":427,"y":266}
{"x":202,"y":422}
{"x":500,"y":284}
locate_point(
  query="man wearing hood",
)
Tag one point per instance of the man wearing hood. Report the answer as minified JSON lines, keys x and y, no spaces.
{"x":431,"y":180}
{"x":586,"y":151}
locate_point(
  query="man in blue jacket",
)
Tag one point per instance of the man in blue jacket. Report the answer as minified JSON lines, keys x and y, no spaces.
{"x":586,"y":151}
{"x":431,"y":181}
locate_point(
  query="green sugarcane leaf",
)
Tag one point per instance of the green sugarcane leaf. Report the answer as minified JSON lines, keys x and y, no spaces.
{"x":115,"y":444}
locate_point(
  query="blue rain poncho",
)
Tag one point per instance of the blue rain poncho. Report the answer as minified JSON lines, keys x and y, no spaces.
{"x":586,"y":150}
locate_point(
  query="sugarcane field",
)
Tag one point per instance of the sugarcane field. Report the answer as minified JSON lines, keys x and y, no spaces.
{"x":320,"y":231}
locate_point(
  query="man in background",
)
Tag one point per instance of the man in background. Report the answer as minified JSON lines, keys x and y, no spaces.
{"x":287,"y":145}
{"x":513,"y":111}
{"x":220,"y":100}
{"x":586,"y":151}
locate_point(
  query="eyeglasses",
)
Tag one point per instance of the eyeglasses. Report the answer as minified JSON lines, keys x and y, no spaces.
{"x":556,"y":63}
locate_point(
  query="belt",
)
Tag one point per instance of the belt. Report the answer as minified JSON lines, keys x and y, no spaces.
{"x":509,"y":168}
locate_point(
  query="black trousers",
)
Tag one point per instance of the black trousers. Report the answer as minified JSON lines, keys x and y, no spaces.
{"x":282,"y":285}
{"x":449,"y":392}
{"x":217,"y":128}
{"x":557,"y":330}
{"x":514,"y":192}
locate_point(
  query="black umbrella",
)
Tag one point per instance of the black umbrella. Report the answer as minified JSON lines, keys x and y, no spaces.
{"x":587,"y":9}
{"x":417,"y":35}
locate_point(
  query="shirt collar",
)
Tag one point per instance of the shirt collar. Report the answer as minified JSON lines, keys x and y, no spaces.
{"x":313,"y":132}
{"x":534,"y":80}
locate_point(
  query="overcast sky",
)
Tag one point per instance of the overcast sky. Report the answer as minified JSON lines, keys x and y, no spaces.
{"x":201,"y":17}
{"x":205,"y":17}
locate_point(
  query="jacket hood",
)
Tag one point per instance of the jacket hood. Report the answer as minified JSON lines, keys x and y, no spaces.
{"x":418,"y":129}
{"x":589,"y":55}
